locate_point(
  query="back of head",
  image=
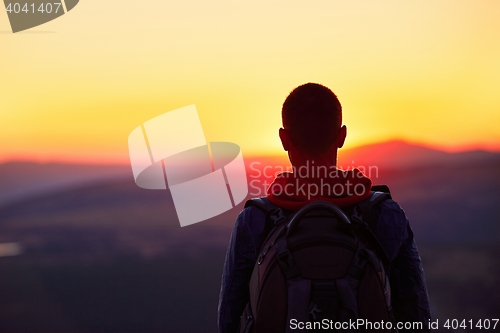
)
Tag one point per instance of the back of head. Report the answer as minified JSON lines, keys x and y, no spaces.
{"x":312,"y":115}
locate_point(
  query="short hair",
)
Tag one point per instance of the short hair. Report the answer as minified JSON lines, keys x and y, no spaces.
{"x":312,"y":115}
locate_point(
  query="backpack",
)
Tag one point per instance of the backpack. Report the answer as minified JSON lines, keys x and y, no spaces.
{"x":319,"y":270}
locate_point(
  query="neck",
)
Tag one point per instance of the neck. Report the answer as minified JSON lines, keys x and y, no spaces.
{"x":298,"y":160}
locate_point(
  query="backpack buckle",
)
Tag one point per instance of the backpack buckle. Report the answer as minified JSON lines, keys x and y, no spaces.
{"x":276,"y":216}
{"x":357,"y":216}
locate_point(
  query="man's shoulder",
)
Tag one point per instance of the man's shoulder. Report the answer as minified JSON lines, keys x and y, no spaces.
{"x":251,"y":218}
{"x":250,"y":214}
{"x":390,"y":206}
{"x":391,"y":220}
{"x":388,"y":213}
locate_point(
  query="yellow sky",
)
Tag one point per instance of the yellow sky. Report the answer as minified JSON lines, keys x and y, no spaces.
{"x":74,"y":88}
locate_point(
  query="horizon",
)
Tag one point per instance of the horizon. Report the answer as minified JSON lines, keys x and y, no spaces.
{"x":278,"y":155}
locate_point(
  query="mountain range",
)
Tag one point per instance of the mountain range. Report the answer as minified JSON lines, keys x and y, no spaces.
{"x":22,"y":179}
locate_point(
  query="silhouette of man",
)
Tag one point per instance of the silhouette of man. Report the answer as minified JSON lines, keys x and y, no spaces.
{"x":312,"y":133}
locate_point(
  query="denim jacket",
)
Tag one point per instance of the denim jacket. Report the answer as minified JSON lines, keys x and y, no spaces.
{"x":410,"y":300}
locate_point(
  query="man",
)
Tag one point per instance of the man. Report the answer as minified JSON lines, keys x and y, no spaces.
{"x":311,"y":134}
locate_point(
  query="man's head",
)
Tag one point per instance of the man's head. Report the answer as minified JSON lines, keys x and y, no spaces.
{"x":312,"y":121}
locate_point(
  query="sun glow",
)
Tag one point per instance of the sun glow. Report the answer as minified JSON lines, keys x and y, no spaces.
{"x":426,"y":71}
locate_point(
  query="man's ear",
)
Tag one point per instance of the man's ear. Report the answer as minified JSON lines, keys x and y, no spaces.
{"x":341,"y":137}
{"x":285,"y":139}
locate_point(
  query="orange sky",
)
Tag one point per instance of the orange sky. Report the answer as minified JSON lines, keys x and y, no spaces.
{"x":74,"y":88}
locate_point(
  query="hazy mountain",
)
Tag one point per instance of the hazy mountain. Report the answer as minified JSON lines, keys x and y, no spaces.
{"x":402,"y":154}
{"x":20,"y":179}
{"x":445,"y":204}
{"x":446,"y":201}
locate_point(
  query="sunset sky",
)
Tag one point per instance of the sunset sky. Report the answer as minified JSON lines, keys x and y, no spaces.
{"x":424,"y":71}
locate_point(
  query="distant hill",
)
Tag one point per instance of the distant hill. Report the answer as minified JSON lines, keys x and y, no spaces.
{"x":401,"y":154}
{"x":21,"y":179}
{"x":448,"y":197}
{"x":456,"y":203}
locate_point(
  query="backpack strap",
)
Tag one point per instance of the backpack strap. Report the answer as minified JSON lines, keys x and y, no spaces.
{"x":367,"y":219}
{"x":378,"y":194}
{"x":381,"y":188}
{"x":262,"y":203}
{"x":274,"y":214}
